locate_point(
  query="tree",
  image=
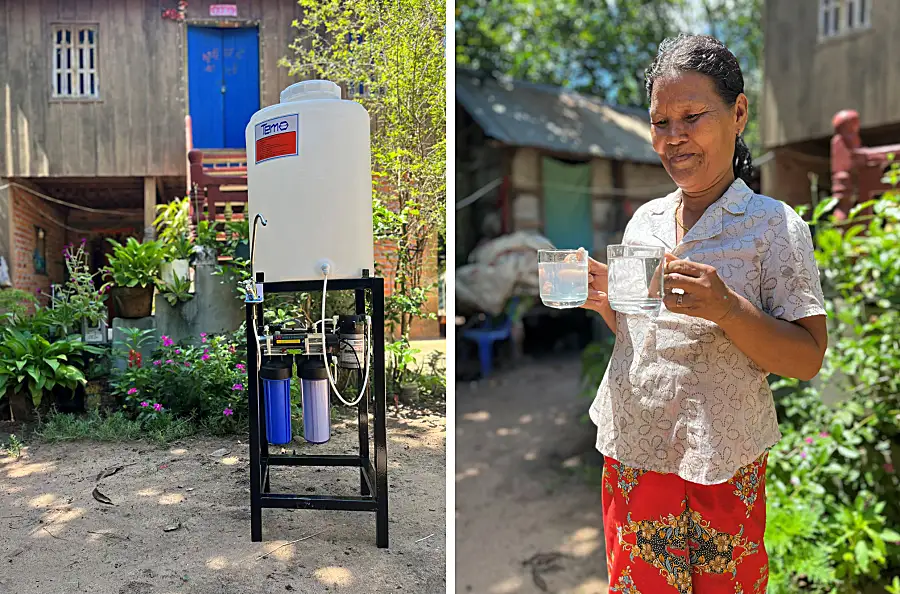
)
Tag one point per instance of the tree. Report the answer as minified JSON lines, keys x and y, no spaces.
{"x":390,"y":57}
{"x":738,"y":24}
{"x":597,"y":46}
{"x":602,"y":47}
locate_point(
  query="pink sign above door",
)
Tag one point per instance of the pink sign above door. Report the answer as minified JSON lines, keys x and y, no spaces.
{"x":223,"y":10}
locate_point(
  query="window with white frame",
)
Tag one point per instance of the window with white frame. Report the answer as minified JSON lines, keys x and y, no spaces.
{"x":838,"y":17}
{"x":75,"y":54}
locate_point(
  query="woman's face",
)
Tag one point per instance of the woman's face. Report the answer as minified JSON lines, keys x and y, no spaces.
{"x":693,"y":130}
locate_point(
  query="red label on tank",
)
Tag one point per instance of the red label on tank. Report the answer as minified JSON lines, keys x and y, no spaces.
{"x":276,"y":138}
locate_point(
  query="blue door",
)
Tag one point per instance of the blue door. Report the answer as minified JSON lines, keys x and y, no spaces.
{"x":223,"y":84}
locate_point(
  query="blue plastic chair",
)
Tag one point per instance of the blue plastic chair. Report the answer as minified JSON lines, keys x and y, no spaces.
{"x":488,"y":333}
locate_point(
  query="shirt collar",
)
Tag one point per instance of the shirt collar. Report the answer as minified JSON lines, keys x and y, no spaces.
{"x":711,"y":223}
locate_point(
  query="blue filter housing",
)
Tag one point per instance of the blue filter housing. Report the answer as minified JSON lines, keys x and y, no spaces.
{"x":316,"y":401}
{"x":276,"y":383}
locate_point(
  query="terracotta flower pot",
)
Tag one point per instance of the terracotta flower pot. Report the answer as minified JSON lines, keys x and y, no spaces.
{"x":132,"y":302}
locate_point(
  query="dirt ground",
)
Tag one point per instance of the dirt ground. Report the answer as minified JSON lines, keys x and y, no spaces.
{"x":180,"y":519}
{"x":527,"y":520}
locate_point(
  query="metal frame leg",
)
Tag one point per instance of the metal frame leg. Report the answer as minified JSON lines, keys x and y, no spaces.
{"x":381,"y":482}
{"x":363,"y":413}
{"x":253,"y":398}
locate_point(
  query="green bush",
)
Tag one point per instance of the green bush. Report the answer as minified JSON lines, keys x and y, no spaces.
{"x":206,"y":382}
{"x":29,"y":362}
{"x":832,"y":485}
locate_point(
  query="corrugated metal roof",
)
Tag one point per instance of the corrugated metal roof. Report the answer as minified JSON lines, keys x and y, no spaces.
{"x":527,"y":114}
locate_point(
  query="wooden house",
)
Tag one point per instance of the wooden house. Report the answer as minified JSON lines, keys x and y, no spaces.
{"x":822,"y":56}
{"x":101,"y":102}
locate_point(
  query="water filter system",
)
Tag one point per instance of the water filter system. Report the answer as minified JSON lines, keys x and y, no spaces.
{"x":310,"y":206}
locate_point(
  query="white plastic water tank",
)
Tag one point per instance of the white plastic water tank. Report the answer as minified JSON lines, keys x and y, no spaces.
{"x":309,"y":175}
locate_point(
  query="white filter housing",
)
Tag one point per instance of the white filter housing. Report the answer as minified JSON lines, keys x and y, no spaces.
{"x":309,"y":175}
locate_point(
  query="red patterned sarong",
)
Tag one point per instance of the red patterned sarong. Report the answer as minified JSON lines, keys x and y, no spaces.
{"x":665,"y":535}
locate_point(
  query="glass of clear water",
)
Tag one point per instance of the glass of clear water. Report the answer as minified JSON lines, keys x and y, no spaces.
{"x":563,"y":277}
{"x":635,"y":278}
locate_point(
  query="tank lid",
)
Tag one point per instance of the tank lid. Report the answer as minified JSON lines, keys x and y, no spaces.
{"x":311,"y":89}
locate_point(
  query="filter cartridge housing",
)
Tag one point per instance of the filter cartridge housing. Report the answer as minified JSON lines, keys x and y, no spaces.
{"x":309,"y":174}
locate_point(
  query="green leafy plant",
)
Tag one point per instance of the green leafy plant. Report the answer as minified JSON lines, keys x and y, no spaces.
{"x":178,"y":291}
{"x":31,"y":362}
{"x":206,"y":234}
{"x":838,"y":461}
{"x":401,"y":363}
{"x":81,"y":298}
{"x":15,"y":304}
{"x":135,"y":264}
{"x":13,"y":447}
{"x":173,"y":227}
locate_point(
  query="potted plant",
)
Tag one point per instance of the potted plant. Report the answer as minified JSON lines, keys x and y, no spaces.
{"x":173,"y":228}
{"x":176,"y":291}
{"x":134,"y":268}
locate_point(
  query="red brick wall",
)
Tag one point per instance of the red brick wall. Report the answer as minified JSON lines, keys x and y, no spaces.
{"x":27,"y":213}
{"x":384,"y":262}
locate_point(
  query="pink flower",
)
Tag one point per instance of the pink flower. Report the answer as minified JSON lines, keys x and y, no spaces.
{"x":205,"y":357}
{"x":240,"y":367}
{"x":823,"y":434}
{"x":227,"y":412}
{"x":167,"y":342}
{"x":237,"y":387}
{"x":203,"y":337}
{"x":145,"y":404}
{"x":132,"y":391}
{"x":187,"y":363}
{"x":803,"y":454}
{"x":232,"y":349}
{"x":157,"y":407}
{"x":177,"y":351}
{"x":157,"y":362}
{"x":169,"y":361}
{"x":809,"y":440}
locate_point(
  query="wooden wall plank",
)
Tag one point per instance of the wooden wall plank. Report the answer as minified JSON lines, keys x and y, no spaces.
{"x":807,"y":81}
{"x":137,"y":127}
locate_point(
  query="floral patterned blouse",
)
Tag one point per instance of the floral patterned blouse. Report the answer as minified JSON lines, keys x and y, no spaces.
{"x":678,"y":396}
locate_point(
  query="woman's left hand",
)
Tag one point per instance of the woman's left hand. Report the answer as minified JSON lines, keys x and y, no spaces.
{"x":705,"y":295}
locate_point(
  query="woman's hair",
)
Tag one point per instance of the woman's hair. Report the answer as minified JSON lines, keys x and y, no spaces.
{"x":705,"y":55}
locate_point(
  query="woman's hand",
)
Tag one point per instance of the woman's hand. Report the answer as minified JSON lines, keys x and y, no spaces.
{"x":598,"y":289}
{"x":598,"y":286}
{"x":705,"y":295}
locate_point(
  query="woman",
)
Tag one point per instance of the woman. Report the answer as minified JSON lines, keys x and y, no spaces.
{"x":685,"y":415}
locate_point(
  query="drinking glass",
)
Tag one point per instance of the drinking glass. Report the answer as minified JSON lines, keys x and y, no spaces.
{"x":635,"y":278}
{"x":563,"y":277}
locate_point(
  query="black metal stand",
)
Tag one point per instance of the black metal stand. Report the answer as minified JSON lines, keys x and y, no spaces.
{"x":373,"y":480}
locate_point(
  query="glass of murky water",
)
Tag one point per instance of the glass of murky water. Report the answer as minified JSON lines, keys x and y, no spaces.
{"x":563,"y":277}
{"x":635,"y":278}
